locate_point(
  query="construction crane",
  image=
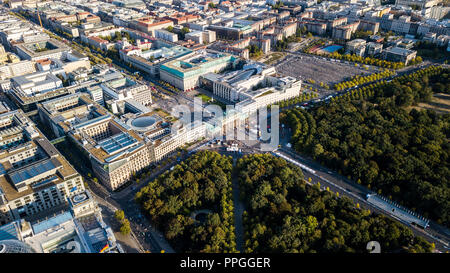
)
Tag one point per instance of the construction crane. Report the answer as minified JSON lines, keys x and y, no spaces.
{"x":40,"y":22}
{"x":39,"y":16}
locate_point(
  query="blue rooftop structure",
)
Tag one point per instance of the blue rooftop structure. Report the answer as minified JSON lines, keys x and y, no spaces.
{"x":117,"y":142}
{"x":31,"y":171}
{"x":52,"y":222}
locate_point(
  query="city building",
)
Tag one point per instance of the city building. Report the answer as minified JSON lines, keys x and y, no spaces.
{"x":28,"y":102}
{"x":315,"y":27}
{"x":11,"y":70}
{"x":166,"y":35}
{"x":344,"y":32}
{"x":201,"y":37}
{"x":47,"y":49}
{"x":124,"y":94}
{"x":115,"y":152}
{"x":34,"y":176}
{"x":150,"y":58}
{"x":149,"y":24}
{"x":36,"y":83}
{"x":398,"y":54}
{"x":77,"y":229}
{"x":373,"y":49}
{"x":419,"y":3}
{"x":230,"y":48}
{"x":356,"y":46}
{"x":251,"y":88}
{"x":184,"y":72}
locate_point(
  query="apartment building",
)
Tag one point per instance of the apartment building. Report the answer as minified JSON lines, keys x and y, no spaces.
{"x":166,"y":35}
{"x":313,"y":26}
{"x":287,"y":29}
{"x":344,"y":32}
{"x":401,"y":25}
{"x":364,"y":25}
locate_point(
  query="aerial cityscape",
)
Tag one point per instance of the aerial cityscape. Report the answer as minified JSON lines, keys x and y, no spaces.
{"x":224,"y":126}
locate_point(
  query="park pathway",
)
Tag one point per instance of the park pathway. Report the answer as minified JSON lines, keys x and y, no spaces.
{"x":238,"y":211}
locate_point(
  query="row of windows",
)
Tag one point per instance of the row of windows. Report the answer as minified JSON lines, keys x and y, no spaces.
{"x":47,"y":196}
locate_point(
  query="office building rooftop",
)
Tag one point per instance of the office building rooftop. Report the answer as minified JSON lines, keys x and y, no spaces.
{"x":28,"y":161}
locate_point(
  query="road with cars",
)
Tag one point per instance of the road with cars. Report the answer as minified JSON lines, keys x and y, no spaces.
{"x":152,"y":240}
{"x":149,"y":239}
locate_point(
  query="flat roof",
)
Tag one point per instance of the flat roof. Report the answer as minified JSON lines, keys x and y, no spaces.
{"x":53,"y":160}
{"x":41,"y":167}
{"x":117,"y":142}
{"x":185,"y":67}
{"x":399,"y":51}
{"x":51,"y":222}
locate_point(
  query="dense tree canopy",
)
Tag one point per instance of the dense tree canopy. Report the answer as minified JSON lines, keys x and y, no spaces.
{"x":203,"y":182}
{"x":286,"y":215}
{"x":375,"y":138}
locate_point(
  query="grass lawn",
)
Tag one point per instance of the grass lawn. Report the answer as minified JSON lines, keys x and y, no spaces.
{"x":439,"y":103}
{"x":204,"y":97}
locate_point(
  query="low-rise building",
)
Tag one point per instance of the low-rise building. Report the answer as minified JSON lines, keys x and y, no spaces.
{"x":166,"y":35}
{"x":201,"y":37}
{"x":373,"y":49}
{"x":398,"y":54}
{"x":36,"y":83}
{"x":356,"y":46}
